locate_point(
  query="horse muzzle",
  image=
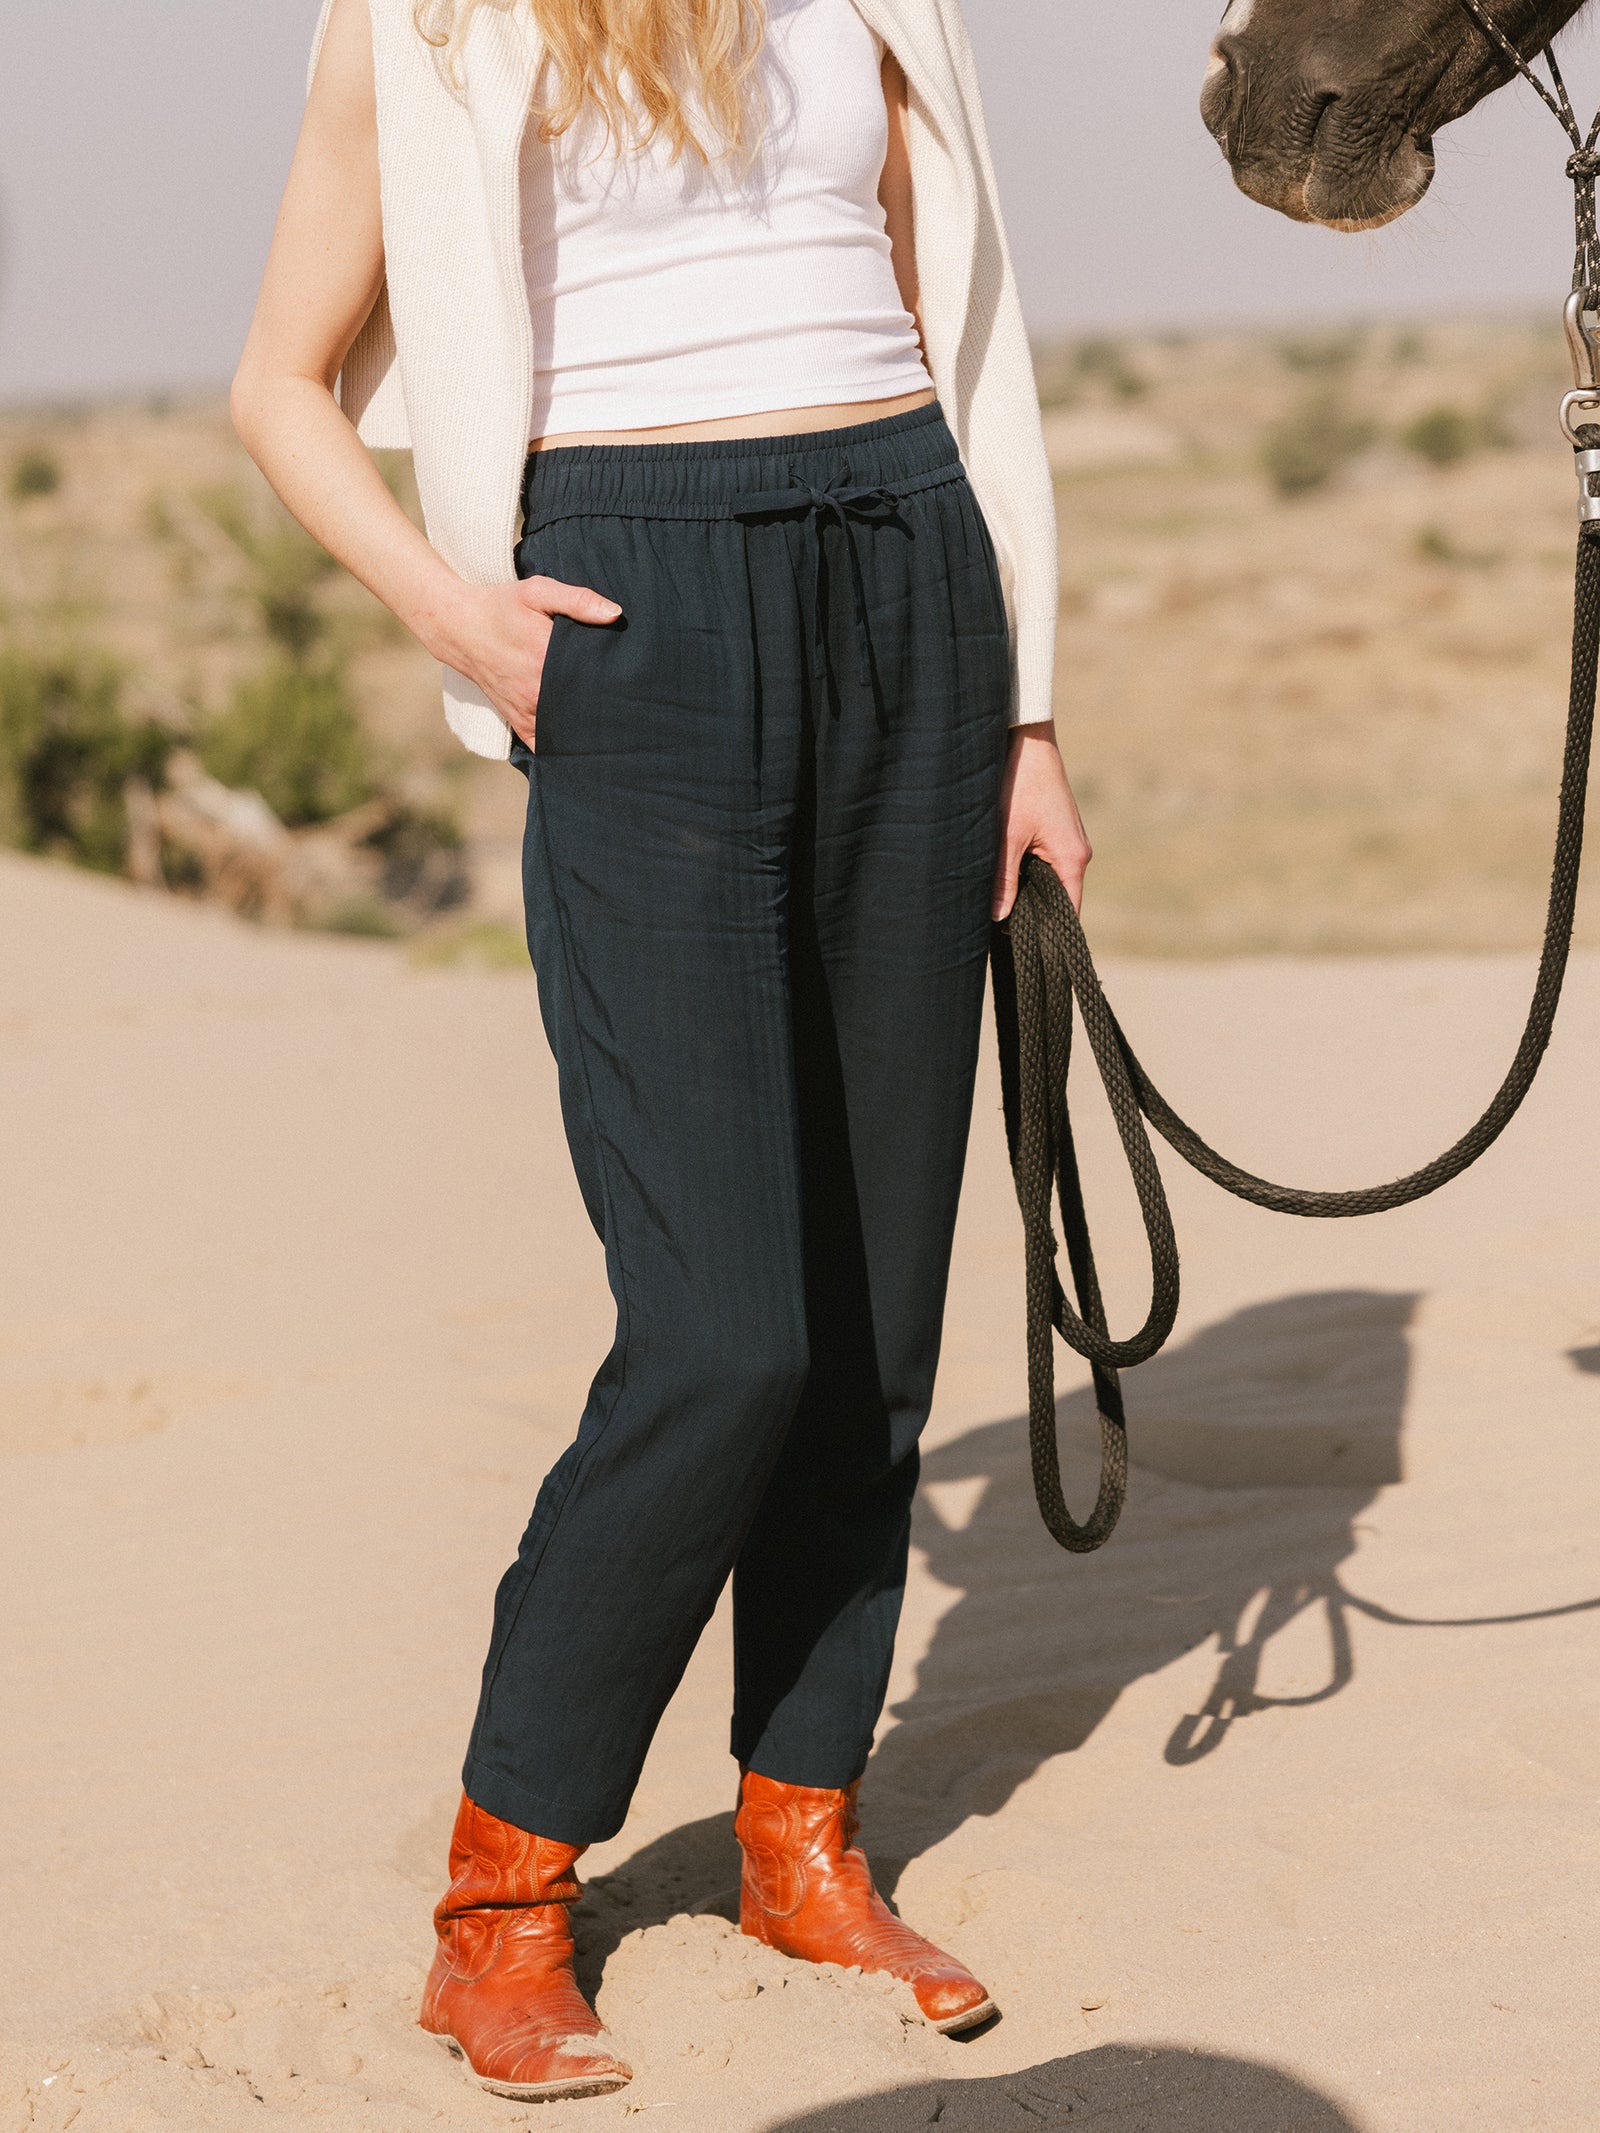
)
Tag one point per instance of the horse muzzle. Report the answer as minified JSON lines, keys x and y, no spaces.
{"x":1317,"y":152}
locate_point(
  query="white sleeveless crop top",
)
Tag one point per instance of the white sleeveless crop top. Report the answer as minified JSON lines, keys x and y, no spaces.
{"x":665,"y":293}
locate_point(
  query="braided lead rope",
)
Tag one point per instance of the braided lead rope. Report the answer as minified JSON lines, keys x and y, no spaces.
{"x":1033,"y":1019}
{"x":1583,"y":165}
{"x":1043,"y":965}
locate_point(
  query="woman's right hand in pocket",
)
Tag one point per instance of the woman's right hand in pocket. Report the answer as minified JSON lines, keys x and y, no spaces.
{"x":501,"y":633}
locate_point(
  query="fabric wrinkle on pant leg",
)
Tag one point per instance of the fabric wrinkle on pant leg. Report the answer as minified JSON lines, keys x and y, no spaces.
{"x":889,"y":949}
{"x":722,"y":871}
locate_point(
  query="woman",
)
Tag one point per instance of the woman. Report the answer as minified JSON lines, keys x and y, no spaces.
{"x":647,"y":272}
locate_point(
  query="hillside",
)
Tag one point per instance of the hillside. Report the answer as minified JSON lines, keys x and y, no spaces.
{"x":1314,"y":622}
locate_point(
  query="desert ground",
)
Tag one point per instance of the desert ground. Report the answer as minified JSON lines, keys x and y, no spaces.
{"x":300,"y":1302}
{"x":1276,"y":1816}
{"x":1314,"y":624}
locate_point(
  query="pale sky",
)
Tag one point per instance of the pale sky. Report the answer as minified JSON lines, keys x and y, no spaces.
{"x":143,"y":145}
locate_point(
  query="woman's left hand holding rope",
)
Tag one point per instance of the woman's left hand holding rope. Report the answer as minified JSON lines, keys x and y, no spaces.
{"x":1038,"y":814}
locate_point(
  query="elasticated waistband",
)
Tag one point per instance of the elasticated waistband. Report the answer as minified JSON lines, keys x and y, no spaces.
{"x":707,"y":479}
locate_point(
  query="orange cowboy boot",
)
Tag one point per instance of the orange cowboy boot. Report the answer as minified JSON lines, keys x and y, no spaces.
{"x":807,"y":1891}
{"x":501,"y":1992}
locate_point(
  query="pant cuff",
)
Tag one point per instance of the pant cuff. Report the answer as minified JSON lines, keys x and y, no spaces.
{"x":796,"y":1769}
{"x":562,"y":1821}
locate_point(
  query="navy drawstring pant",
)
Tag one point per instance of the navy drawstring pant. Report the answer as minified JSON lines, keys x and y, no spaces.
{"x":762,"y":829}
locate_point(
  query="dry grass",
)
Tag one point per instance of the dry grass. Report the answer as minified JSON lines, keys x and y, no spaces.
{"x":127,"y":552}
{"x":1328,"y":721}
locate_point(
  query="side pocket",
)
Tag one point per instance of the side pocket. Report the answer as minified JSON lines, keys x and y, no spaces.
{"x":993,"y":631}
{"x":541,"y":553}
{"x":561,"y":628}
{"x":991,"y":557}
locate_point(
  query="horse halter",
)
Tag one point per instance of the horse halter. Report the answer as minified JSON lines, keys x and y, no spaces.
{"x":1583,"y":305}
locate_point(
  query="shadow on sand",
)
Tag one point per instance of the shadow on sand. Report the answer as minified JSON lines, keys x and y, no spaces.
{"x":1136,"y":2086}
{"x":1036,"y":1647}
{"x":1238,"y":1519}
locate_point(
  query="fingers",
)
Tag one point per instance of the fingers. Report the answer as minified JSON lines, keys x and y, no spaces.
{"x":1005,"y":879}
{"x":1069,"y":868}
{"x":547,"y":597}
{"x":581,"y":602}
{"x":1070,"y":863}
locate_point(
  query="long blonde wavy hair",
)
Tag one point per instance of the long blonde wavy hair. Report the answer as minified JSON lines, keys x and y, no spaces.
{"x":677,"y":70}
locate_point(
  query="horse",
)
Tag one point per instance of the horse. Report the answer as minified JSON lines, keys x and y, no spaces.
{"x":1326,"y":109}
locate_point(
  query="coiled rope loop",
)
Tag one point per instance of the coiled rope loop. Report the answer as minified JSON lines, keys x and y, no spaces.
{"x":1042,"y":965}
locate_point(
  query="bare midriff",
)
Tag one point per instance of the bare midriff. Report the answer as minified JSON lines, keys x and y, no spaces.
{"x":776,"y":422}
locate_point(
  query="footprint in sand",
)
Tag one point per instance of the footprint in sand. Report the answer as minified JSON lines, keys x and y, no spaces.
{"x":62,"y":1414}
{"x":67,"y":1414}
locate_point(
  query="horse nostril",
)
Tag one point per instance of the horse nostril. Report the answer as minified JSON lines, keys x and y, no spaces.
{"x":1216,"y":95}
{"x":1324,"y":104}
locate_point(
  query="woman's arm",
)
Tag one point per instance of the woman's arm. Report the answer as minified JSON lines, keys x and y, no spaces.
{"x":1037,"y":810}
{"x":1038,"y":814}
{"x":894,"y":191}
{"x":323,"y":275}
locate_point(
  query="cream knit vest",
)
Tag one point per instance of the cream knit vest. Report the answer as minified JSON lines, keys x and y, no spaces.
{"x":444,"y":366}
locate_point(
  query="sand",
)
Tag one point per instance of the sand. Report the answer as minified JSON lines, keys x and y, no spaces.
{"x":298,"y":1301}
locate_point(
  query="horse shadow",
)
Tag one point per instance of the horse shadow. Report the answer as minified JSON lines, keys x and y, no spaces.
{"x":1129,"y":2085}
{"x":1257,"y":1444}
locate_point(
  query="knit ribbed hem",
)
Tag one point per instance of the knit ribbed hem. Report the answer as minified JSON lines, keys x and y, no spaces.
{"x":477,"y":725}
{"x":561,"y":1821}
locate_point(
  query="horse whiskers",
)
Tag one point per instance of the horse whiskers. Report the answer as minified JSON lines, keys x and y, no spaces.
{"x":1399,"y":73}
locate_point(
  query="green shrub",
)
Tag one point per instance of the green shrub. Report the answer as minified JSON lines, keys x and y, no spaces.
{"x":1326,"y":356}
{"x":1444,"y":436}
{"x":34,"y":473}
{"x":366,"y":918}
{"x":67,"y":750}
{"x":483,"y":943}
{"x":1108,"y":362}
{"x":400,"y":479}
{"x":1055,"y":376}
{"x":424,"y":858}
{"x":286,"y":568}
{"x":291,"y":733}
{"x":1435,"y":545}
{"x":1311,"y":444}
